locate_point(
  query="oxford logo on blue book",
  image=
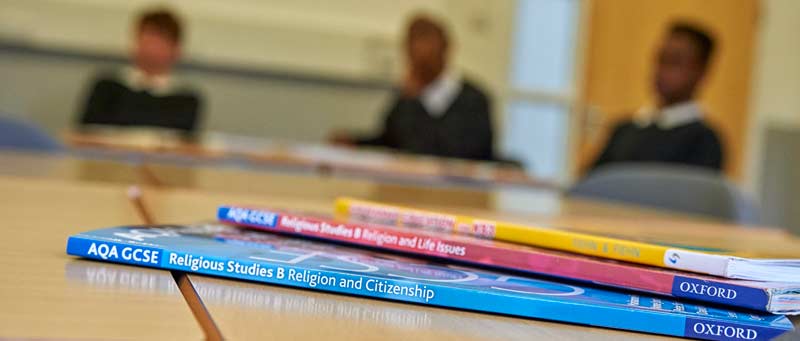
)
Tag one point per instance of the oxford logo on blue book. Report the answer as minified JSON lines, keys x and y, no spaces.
{"x":718,"y":330}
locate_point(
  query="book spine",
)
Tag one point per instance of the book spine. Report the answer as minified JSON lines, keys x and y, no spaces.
{"x":364,"y":235}
{"x":115,"y":252}
{"x":716,"y":265}
{"x":720,"y":292}
{"x":611,"y":274}
{"x":598,"y":246}
{"x":416,"y":290}
{"x":473,"y":253}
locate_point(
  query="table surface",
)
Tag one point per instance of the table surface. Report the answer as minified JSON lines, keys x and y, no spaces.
{"x":540,"y":202}
{"x":313,"y":157}
{"x":545,"y":207}
{"x":47,"y":294}
{"x":53,"y":197}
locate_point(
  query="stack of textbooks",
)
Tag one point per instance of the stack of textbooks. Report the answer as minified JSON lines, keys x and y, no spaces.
{"x":401,"y":254}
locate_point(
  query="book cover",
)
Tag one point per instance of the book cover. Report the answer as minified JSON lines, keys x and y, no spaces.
{"x":695,"y":258}
{"x":772,"y":297}
{"x":281,"y":260}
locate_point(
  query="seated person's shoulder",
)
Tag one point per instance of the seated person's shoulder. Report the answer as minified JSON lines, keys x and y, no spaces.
{"x":622,"y":124}
{"x":704,"y":127}
{"x":185,"y":88}
{"x":118,"y":79}
{"x":471,"y":89}
{"x":706,"y":132}
{"x":108,"y":78}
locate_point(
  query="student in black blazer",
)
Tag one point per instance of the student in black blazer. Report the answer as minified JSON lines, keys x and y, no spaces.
{"x":146,"y":93}
{"x":436,"y":111}
{"x":674,"y":131}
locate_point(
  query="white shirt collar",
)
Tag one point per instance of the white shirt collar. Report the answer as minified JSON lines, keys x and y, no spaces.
{"x":440,"y":94}
{"x":670,"y":117}
{"x":136,"y":79}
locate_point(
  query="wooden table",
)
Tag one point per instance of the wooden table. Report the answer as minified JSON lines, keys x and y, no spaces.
{"x":331,"y":160}
{"x":524,"y":205}
{"x":74,"y":298}
{"x":524,"y":201}
{"x":47,"y":294}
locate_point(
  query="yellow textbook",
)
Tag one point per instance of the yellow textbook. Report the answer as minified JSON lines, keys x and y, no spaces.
{"x":724,"y":265}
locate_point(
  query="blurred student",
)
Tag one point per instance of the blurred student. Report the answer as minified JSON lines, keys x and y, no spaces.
{"x":674,"y":131}
{"x":146,"y":93}
{"x":436,"y":111}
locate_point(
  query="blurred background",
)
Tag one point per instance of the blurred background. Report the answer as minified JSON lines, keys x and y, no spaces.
{"x":560,"y":72}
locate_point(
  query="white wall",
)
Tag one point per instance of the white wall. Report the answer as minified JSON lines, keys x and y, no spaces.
{"x":777,"y":82}
{"x":345,"y":40}
{"x":775,"y":111}
{"x":776,"y":79}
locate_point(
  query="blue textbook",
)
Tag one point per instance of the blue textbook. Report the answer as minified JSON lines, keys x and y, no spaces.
{"x":221,"y":250}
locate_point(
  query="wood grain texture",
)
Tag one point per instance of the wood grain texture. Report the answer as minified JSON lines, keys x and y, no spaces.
{"x":48,"y":294}
{"x":195,"y":302}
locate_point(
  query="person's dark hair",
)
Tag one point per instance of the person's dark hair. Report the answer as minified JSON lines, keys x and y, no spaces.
{"x":701,"y":38}
{"x":423,"y":24}
{"x":163,"y":20}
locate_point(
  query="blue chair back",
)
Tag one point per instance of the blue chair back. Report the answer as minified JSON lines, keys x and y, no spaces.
{"x":672,"y":187}
{"x":19,"y":134}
